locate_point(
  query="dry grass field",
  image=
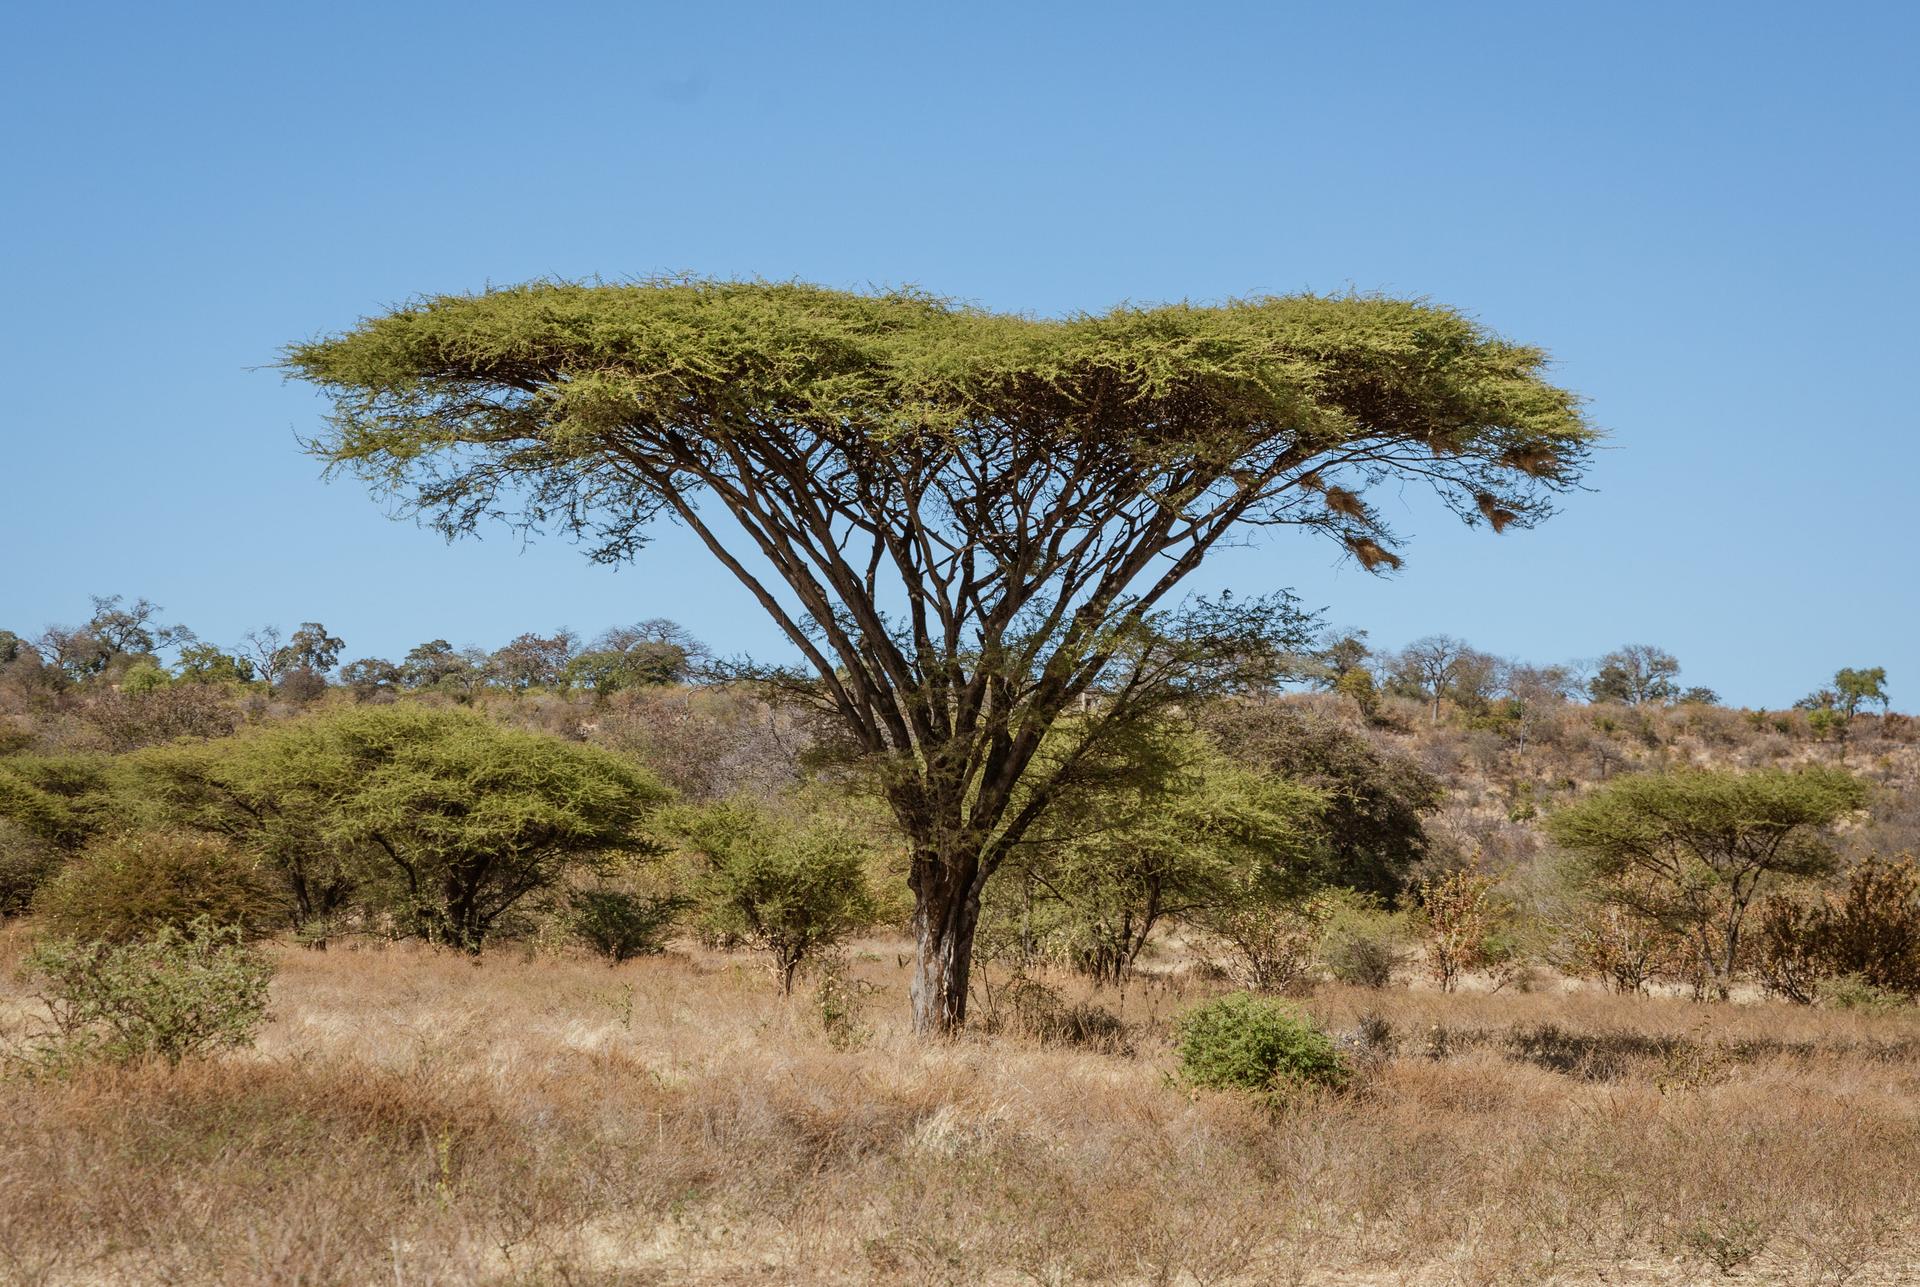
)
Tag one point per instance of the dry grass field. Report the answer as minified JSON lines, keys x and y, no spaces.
{"x":411,"y":1118}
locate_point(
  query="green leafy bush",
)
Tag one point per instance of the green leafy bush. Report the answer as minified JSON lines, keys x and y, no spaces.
{"x":177,"y":994}
{"x":621,"y":925}
{"x":1249,"y":1043}
{"x":125,"y":887}
{"x":26,"y":863}
{"x":439,"y":821}
{"x":1361,"y":944}
{"x":789,"y":890}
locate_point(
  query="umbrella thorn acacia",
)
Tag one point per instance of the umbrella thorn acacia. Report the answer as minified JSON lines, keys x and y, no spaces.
{"x":1703,"y":844}
{"x":445,"y":817}
{"x":964,"y":522}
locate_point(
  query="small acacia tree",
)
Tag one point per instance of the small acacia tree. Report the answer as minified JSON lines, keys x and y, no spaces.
{"x":1705,"y":844}
{"x":966,"y":524}
{"x":1175,"y":831}
{"x":443,"y":815}
{"x":790,"y":890}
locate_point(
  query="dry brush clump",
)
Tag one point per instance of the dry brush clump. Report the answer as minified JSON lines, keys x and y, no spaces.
{"x":410,"y":1117}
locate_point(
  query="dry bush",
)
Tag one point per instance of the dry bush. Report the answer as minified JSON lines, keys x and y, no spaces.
{"x":127,"y":721}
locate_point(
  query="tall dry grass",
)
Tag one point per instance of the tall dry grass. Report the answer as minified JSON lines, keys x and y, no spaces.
{"x":412,"y":1118}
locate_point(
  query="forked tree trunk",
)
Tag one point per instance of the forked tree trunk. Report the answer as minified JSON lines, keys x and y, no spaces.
{"x":946,"y":908}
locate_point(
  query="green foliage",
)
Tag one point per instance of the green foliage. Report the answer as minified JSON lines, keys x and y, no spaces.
{"x":204,"y":663}
{"x":26,"y":863}
{"x":143,"y":676}
{"x":1248,"y":1043}
{"x":124,"y":887}
{"x":50,"y":806}
{"x":443,"y":818}
{"x":1704,"y":844}
{"x":605,"y":671}
{"x":1852,"y":992}
{"x":180,"y":993}
{"x":620,"y":924}
{"x":789,"y":887}
{"x":61,"y":799}
{"x":1375,"y":802}
{"x":1166,"y":827}
{"x":1360,"y":943}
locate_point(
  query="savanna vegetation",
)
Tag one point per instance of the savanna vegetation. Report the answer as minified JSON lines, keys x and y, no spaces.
{"x":1045,"y":925}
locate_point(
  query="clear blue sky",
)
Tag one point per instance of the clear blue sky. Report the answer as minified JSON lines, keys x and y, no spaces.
{"x":1705,"y":211}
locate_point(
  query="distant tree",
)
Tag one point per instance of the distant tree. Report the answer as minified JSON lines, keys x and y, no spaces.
{"x":205,"y":663}
{"x":1699,"y":696}
{"x":115,"y":637}
{"x":1358,"y":684}
{"x":133,"y":630}
{"x":643,"y":655}
{"x":1856,"y":687}
{"x":371,"y":675}
{"x":979,"y":524}
{"x":265,"y":650}
{"x":438,"y":666}
{"x":535,"y":661}
{"x":13,"y":648}
{"x":1635,"y":675}
{"x":1338,"y":654}
{"x":604,"y":671}
{"x":1535,"y":695}
{"x":1477,"y":679}
{"x":1706,"y":844}
{"x":313,"y":649}
{"x":1429,"y":665}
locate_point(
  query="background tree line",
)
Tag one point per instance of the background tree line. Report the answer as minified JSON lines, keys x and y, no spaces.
{"x":606,"y":795}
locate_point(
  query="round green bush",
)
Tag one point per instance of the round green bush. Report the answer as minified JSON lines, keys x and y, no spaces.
{"x":1245,"y":1042}
{"x":125,"y":887}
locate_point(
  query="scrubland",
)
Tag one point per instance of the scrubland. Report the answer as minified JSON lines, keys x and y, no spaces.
{"x":411,"y":1117}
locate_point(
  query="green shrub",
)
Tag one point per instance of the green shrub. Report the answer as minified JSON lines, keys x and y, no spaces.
{"x":26,"y":863}
{"x":790,"y":890}
{"x":177,"y":994}
{"x":1356,"y":955}
{"x":125,"y":887}
{"x":1244,"y":1042}
{"x":621,"y":925}
{"x":1361,"y":944}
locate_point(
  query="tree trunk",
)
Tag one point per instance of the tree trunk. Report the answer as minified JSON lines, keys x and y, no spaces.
{"x":946,"y":908}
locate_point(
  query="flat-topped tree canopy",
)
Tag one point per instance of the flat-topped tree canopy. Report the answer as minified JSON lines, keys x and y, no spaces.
{"x":976,"y":516}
